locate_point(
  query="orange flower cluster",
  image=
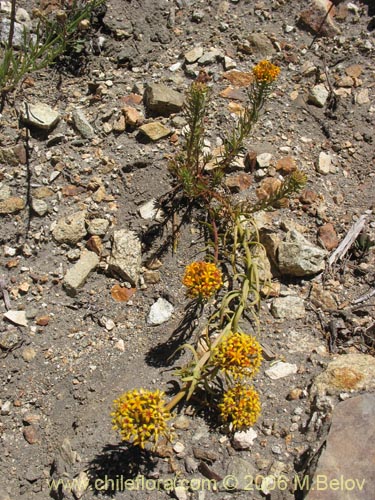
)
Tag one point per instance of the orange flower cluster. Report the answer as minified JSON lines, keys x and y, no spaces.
{"x":265,"y":72}
{"x":140,"y":416}
{"x":239,"y":355}
{"x":202,"y":279}
{"x":240,"y":406}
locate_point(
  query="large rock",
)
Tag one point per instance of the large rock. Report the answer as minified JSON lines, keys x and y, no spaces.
{"x":12,"y":205}
{"x":316,"y":20}
{"x":70,"y":229}
{"x":298,"y":257}
{"x":126,"y":256}
{"x":162,"y":100}
{"x":349,"y":372}
{"x":77,"y":275}
{"x":345,"y":469}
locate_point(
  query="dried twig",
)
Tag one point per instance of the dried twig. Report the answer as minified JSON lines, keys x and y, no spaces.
{"x":348,"y":241}
{"x":364,"y":297}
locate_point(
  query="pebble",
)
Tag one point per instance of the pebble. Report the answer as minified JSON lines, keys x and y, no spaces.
{"x":97,"y":226}
{"x":31,"y":434}
{"x":264,"y":160}
{"x":318,"y":95}
{"x":5,"y":408}
{"x":328,"y":236}
{"x":28,"y":354}
{"x":160,"y":312}
{"x":40,"y":116}
{"x":193,"y":55}
{"x":181,"y":422}
{"x":298,"y":257}
{"x":244,"y":440}
{"x":289,"y":307}
{"x":281,"y":369}
{"x":40,"y":207}
{"x":324,"y":164}
{"x":82,"y":124}
{"x":16,"y":317}
{"x":155,"y":131}
{"x":126,"y":256}
{"x":178,"y":447}
{"x":162,"y":100}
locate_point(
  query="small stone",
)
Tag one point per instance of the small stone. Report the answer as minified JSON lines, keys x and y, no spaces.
{"x":289,"y":307}
{"x":82,"y":125}
{"x":40,"y":116}
{"x":193,"y":55}
{"x":40,"y":207}
{"x":229,"y":63}
{"x":191,"y":465}
{"x":126,"y":256}
{"x":9,"y":339}
{"x":160,"y":312}
{"x":240,"y":475}
{"x":198,"y":15}
{"x":210,"y":57}
{"x":6,"y":408}
{"x":258,"y":44}
{"x":362,"y":97}
{"x":5,"y":192}
{"x":178,"y":447}
{"x":328,"y":236}
{"x":317,"y":18}
{"x":324,"y":163}
{"x":180,"y":492}
{"x":354,"y":71}
{"x":264,"y":160}
{"x":155,"y":130}
{"x":120,"y":345}
{"x":43,"y":192}
{"x":205,"y":454}
{"x":181,"y":422}
{"x":80,"y":484}
{"x":77,"y":275}
{"x":162,"y":100}
{"x":322,"y":298}
{"x":244,"y":440}
{"x":11,"y":205}
{"x":119,"y":125}
{"x":295,"y":394}
{"x":70,"y":229}
{"x":318,"y":95}
{"x":151,"y":277}
{"x":281,"y":370}
{"x":239,"y":182}
{"x":28,"y":354}
{"x":133,"y":117}
{"x":31,"y":434}
{"x":97,"y":226}
{"x":16,"y":317}
{"x":150,"y":210}
{"x":286,"y":165}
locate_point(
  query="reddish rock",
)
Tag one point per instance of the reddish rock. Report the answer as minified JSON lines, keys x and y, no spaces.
{"x":232,"y":93}
{"x":31,"y":434}
{"x":286,"y":165}
{"x":328,"y":236}
{"x":315,"y":18}
{"x":239,"y":182}
{"x":308,"y":197}
{"x":239,"y":78}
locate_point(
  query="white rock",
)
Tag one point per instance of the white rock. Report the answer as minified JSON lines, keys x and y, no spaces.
{"x":244,"y":440}
{"x":318,"y":95}
{"x":160,"y":312}
{"x":180,"y":493}
{"x":362,"y":97}
{"x":16,"y":317}
{"x":126,"y":256}
{"x":110,"y":324}
{"x":120,"y":345}
{"x":281,"y":370}
{"x":193,"y":55}
{"x":264,"y":160}
{"x":178,"y":447}
{"x":150,"y":211}
{"x":229,"y":63}
{"x":324,"y":163}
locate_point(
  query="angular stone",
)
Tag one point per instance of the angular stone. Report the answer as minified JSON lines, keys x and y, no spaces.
{"x":318,"y":95}
{"x":193,"y":55}
{"x":70,"y":229}
{"x":315,"y":18}
{"x":154,"y":130}
{"x":324,"y":163}
{"x":162,"y":100}
{"x":348,"y":456}
{"x":31,"y":434}
{"x":286,"y":165}
{"x":77,"y":274}
{"x":13,"y":156}
{"x":348,"y":372}
{"x":82,"y":124}
{"x":362,"y":97}
{"x":264,"y":160}
{"x":240,"y":475}
{"x":28,"y":354}
{"x":322,"y":298}
{"x":160,"y":312}
{"x":132,"y":116}
{"x":80,"y":484}
{"x":281,"y":370}
{"x":11,"y":205}
{"x":328,"y":236}
{"x":97,"y":226}
{"x":244,"y":440}
{"x":289,"y":307}
{"x":298,"y":257}
{"x":10,"y":339}
{"x":16,"y":317}
{"x":210,"y":57}
{"x":39,"y":207}
{"x":258,"y":44}
{"x":40,"y":116}
{"x":126,"y":256}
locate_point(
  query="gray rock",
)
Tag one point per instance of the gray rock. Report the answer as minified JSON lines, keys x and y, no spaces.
{"x":162,"y":100}
{"x":126,"y":256}
{"x":289,"y":307}
{"x":18,"y":35}
{"x":259,"y":44}
{"x":77,"y":274}
{"x":40,"y":207}
{"x":318,"y":95}
{"x":349,"y":372}
{"x":160,"y":312}
{"x":40,"y":116}
{"x":281,"y":370}
{"x":345,"y":468}
{"x":298,"y":257}
{"x":70,"y":229}
{"x":10,"y":339}
{"x":210,"y":57}
{"x":98,"y":226}
{"x":82,"y":124}
{"x":193,"y":55}
{"x":240,"y":474}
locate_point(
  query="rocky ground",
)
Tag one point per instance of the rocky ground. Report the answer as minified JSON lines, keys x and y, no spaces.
{"x":92,"y":296}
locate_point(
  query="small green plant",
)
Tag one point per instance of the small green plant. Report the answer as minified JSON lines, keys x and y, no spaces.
{"x":53,"y":37}
{"x":226,"y":357}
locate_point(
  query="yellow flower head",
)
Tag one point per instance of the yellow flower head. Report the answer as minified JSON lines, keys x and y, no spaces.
{"x":202,"y":279}
{"x":239,"y":355}
{"x":240,"y":406}
{"x":140,"y":416}
{"x":265,"y":72}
